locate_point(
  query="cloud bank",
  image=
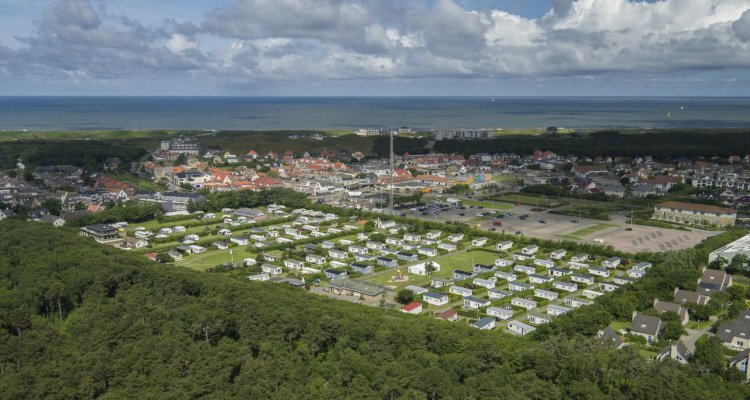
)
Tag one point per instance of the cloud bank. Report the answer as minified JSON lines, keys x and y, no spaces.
{"x":332,"y":40}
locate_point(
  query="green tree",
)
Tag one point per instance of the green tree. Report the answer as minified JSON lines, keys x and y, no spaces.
{"x":405,"y":296}
{"x":709,"y":355}
{"x":673,"y":328}
{"x":180,"y":160}
{"x":53,"y":205}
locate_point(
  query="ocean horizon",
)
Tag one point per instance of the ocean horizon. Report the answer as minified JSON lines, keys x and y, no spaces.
{"x":84,"y":113}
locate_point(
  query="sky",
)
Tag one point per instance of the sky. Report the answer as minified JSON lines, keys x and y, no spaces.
{"x":375,"y":47}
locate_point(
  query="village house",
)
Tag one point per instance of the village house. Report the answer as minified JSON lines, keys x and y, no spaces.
{"x":608,"y":287}
{"x":424,"y":268}
{"x":486,"y":283}
{"x":582,"y":278}
{"x":666,"y":306}
{"x":294,"y":264}
{"x":338,"y":254}
{"x":486,"y":323}
{"x":460,"y":290}
{"x":501,"y":313}
{"x":579,"y":258}
{"x":519,"y":328}
{"x":529,"y":250}
{"x":414,"y":307}
{"x":480,"y":241}
{"x":713,"y":281}
{"x":576,"y":302}
{"x":475,"y":302}
{"x":611,"y":262}
{"x":363,"y":269}
{"x":366,"y":291}
{"x":504,"y":246}
{"x":545,"y":294}
{"x":525,"y":269}
{"x":537,"y":318}
{"x":603,"y":272}
{"x":646,"y":326}
{"x":500,"y":262}
{"x":436,"y":299}
{"x":315,"y":259}
{"x":555,"y":310}
{"x":519,"y":286}
{"x":271,"y":269}
{"x":495,"y":293}
{"x":387,"y":262}
{"x":459,"y":275}
{"x":524,"y":303}
{"x":685,"y":296}
{"x":438,"y":283}
{"x":335,"y":274}
{"x":540,"y":279}
{"x":508,"y":276}
{"x":449,"y":315}
{"x":558,"y":254}
{"x":559,"y":272}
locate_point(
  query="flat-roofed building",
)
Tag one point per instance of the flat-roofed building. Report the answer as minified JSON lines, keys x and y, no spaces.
{"x":695,"y":214}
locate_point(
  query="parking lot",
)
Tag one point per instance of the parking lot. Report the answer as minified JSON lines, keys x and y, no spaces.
{"x":616,"y":232}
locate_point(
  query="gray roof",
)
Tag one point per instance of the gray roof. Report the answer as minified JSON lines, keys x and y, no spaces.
{"x":739,"y":357}
{"x":682,"y":295}
{"x":476,"y":299}
{"x":358,"y":287}
{"x":609,"y":335}
{"x":726,"y":332}
{"x":484,"y":322}
{"x":646,"y":324}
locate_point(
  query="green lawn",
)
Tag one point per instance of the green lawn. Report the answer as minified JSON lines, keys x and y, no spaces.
{"x":530,"y":200}
{"x":212,"y":258}
{"x":457,"y":260}
{"x":137,"y":181}
{"x":503,"y":178}
{"x":588,"y":231}
{"x":618,"y":326}
{"x":487,"y":204}
{"x":89,"y":135}
{"x":529,"y":132}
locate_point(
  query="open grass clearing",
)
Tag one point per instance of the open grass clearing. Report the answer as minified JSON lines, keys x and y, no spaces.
{"x":212,"y":258}
{"x":589,"y":230}
{"x":495,"y":205}
{"x":137,"y":181}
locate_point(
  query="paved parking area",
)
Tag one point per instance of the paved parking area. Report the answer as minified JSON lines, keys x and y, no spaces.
{"x":556,"y":227}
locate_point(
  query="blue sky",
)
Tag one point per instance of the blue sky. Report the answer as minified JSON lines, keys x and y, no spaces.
{"x":375,"y":47}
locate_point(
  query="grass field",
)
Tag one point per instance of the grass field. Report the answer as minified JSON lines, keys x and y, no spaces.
{"x":487,"y":204}
{"x":86,"y":135}
{"x":212,"y":258}
{"x":529,"y":131}
{"x":503,"y":178}
{"x":618,"y":326}
{"x":587,"y":231}
{"x":531,"y":200}
{"x":137,"y":181}
{"x":457,"y":260}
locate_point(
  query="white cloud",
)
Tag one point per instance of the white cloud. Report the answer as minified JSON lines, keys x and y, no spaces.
{"x":374,"y":39}
{"x":179,"y":43}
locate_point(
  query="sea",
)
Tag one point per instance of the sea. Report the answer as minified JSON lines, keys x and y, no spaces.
{"x":347,"y":113}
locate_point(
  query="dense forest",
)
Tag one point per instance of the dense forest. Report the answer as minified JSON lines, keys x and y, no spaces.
{"x":89,"y":154}
{"x":79,"y":320}
{"x":663,"y":145}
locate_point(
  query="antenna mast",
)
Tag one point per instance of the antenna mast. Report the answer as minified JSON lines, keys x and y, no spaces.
{"x":393,"y":171}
